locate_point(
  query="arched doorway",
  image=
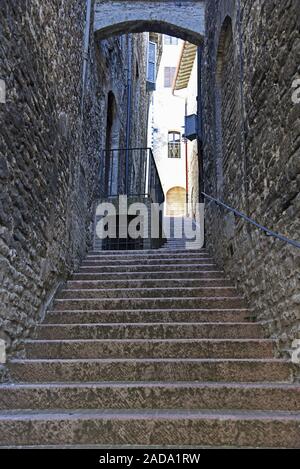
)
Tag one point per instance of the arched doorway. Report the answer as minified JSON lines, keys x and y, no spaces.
{"x":176,"y":206}
{"x":111,"y":146}
{"x":227,"y":137}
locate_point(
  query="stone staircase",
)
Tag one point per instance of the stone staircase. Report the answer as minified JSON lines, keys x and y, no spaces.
{"x":150,"y":348}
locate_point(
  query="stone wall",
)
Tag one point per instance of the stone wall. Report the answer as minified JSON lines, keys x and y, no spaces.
{"x":260,"y":132}
{"x":50,"y":149}
{"x":114,"y":62}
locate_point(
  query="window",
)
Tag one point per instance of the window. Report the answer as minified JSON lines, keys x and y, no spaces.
{"x":174,"y":145}
{"x":151,"y":67}
{"x":169,"y":76}
{"x":171,"y":41}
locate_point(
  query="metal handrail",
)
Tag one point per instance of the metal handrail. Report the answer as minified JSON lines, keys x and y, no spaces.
{"x":144,"y":183}
{"x":158,"y":180}
{"x":253,"y":222}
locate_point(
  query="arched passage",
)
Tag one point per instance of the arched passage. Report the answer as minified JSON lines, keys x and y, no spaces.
{"x":176,"y":199}
{"x":227,"y":115}
{"x":224,"y":42}
{"x":184,"y":19}
{"x":112,"y":143}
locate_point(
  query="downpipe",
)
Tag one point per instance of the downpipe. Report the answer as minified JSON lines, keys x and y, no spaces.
{"x":201,"y":199}
{"x":186,"y":165}
{"x":128,"y":119}
{"x":86,"y":47}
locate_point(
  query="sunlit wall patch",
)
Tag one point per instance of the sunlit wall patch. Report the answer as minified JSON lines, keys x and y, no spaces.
{"x":2,"y":92}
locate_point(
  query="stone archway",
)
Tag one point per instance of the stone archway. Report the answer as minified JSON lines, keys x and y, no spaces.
{"x":185,"y":19}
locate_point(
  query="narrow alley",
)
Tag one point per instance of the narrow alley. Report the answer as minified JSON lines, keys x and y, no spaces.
{"x":149,"y":224}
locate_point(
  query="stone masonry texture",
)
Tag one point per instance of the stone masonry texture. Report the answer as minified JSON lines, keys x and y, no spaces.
{"x":176,"y":18}
{"x":253,"y":53}
{"x":51,"y":148}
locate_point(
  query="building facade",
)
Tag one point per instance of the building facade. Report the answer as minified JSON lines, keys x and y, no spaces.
{"x":166,"y":123}
{"x":186,"y":86}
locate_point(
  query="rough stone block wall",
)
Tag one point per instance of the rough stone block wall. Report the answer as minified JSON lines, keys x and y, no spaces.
{"x":113,"y":76}
{"x":50,"y":150}
{"x":266,"y":61}
{"x":41,"y":236}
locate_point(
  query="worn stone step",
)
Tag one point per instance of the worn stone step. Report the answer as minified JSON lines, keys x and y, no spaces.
{"x":88,"y":370}
{"x":150,"y":331}
{"x":144,"y":316}
{"x":135,"y":261}
{"x":147,"y":283}
{"x":207,"y":266}
{"x":140,"y":348}
{"x":172,"y":247}
{"x":151,"y":427}
{"x":147,"y":252}
{"x":148,"y":303}
{"x":142,"y":257}
{"x":169,"y":275}
{"x":149,"y":395}
{"x":157,"y":292}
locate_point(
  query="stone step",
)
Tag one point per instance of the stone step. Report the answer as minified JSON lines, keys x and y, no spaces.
{"x":146,"y":252}
{"x":149,"y":395}
{"x":150,"y":348}
{"x":148,"y":303}
{"x":214,"y":428}
{"x":150,"y":331}
{"x":147,"y":283}
{"x":145,"y":316}
{"x":90,"y":370}
{"x":140,"y":348}
{"x":148,"y":257}
{"x":163,"y":275}
{"x":181,"y":242}
{"x":136,"y":261}
{"x":207,"y":266}
{"x":171,"y":247}
{"x":157,"y":292}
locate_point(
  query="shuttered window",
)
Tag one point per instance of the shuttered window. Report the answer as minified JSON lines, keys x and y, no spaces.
{"x":151,"y":66}
{"x":169,"y":76}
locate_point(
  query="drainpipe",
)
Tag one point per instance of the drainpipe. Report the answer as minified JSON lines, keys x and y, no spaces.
{"x":87,"y":31}
{"x":200,"y":138}
{"x":186,"y":166}
{"x":128,"y":120}
{"x":200,"y":124}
